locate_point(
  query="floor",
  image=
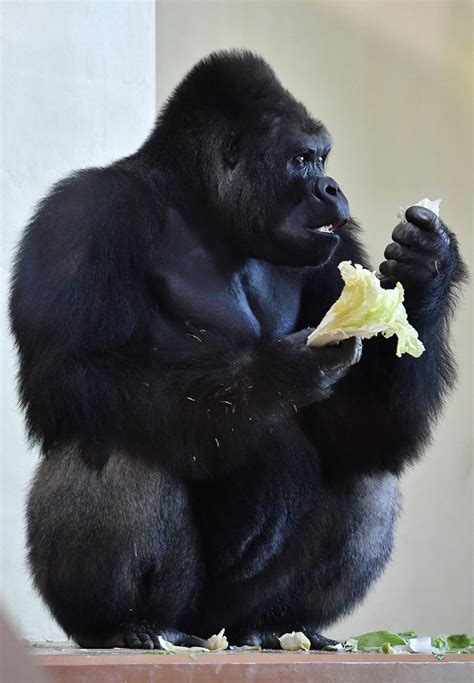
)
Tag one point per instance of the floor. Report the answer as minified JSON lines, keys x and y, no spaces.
{"x":61,"y":663}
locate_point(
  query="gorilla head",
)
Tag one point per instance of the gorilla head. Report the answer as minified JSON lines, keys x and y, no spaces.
{"x":247,"y":156}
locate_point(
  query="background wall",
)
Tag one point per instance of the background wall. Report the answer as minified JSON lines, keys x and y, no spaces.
{"x":391,"y":80}
{"x":78,"y":89}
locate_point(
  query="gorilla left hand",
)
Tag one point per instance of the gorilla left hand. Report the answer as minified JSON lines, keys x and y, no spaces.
{"x":423,"y":255}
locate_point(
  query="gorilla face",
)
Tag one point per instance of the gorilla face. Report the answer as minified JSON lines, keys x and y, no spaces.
{"x":283,"y":207}
{"x":254,"y":158}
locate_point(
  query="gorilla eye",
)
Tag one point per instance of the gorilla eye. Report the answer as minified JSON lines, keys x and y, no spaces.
{"x":309,"y":158}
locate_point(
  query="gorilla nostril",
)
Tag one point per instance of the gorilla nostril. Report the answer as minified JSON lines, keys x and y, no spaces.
{"x":327,"y":190}
{"x":331,"y":189}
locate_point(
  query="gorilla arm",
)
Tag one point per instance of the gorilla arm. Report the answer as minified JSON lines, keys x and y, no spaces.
{"x":91,"y":374}
{"x":380,"y":415}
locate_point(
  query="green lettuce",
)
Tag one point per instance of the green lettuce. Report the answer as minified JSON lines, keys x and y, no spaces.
{"x":365,"y":309}
{"x":407,"y":641}
{"x":377,"y":639}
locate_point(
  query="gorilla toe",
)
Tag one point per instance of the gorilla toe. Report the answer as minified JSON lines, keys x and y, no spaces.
{"x":141,"y":637}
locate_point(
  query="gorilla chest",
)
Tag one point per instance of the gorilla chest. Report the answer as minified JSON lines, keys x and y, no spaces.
{"x":202,"y":289}
{"x":198,"y":285}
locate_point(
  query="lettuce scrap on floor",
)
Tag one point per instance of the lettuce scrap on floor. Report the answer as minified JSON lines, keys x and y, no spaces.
{"x":294,"y":641}
{"x":408,"y":641}
{"x":377,"y":642}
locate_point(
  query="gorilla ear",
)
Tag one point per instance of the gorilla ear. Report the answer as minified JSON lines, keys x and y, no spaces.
{"x":232,"y":150}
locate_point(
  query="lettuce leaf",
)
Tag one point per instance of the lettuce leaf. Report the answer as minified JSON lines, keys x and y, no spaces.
{"x":458,"y":641}
{"x":365,"y":309}
{"x":407,"y":641}
{"x":378,"y":639}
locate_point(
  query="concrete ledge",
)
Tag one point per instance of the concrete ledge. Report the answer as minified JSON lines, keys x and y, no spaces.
{"x":133,"y":666}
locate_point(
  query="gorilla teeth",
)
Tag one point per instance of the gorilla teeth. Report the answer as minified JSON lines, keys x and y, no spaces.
{"x":325,"y":228}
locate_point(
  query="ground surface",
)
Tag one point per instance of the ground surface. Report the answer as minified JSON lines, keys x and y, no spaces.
{"x":61,"y":663}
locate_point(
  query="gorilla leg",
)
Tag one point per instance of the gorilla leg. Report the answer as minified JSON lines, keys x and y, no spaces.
{"x":113,"y":551}
{"x":290,"y":550}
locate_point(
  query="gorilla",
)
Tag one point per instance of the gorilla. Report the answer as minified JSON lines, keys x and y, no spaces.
{"x":201,"y":465}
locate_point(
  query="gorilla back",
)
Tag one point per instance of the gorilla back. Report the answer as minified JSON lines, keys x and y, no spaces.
{"x":203,"y":467}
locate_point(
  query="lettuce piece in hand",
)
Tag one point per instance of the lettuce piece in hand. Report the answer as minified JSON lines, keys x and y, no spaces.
{"x":431,"y":204}
{"x":364,"y":310}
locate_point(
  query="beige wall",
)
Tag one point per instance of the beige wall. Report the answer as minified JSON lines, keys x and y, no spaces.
{"x":391,"y":81}
{"x":78,"y":89}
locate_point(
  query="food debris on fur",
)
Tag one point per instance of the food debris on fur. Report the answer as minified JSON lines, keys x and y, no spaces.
{"x":194,"y":336}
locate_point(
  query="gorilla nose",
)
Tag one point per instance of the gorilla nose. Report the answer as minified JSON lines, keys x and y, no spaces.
{"x":326,"y":188}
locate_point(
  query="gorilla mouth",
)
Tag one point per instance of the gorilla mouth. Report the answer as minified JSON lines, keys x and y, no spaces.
{"x":331,"y":226}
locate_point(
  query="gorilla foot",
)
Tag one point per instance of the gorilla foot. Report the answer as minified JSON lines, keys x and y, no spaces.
{"x":268,"y":640}
{"x":318,"y":642}
{"x":143,"y":636}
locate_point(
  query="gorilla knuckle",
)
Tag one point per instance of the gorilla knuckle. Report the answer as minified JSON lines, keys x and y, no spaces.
{"x":405,"y":232}
{"x":393,"y":251}
{"x":389,"y":267}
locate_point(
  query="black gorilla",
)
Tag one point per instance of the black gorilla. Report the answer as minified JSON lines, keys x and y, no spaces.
{"x":202,"y":466}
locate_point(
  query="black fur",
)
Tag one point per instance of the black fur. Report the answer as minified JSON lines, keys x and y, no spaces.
{"x":202,"y":466}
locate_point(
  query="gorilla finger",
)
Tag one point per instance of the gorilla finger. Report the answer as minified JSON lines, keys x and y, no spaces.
{"x":189,"y":640}
{"x":406,"y":273}
{"x":389,"y":268}
{"x":132,"y":641}
{"x":423,"y":218}
{"x":428,"y":221}
{"x":409,"y":256}
{"x":270,"y":641}
{"x":177,"y":637}
{"x":249,"y":638}
{"x":394,"y":251}
{"x":319,"y":642}
{"x":295,"y":339}
{"x":387,"y":282}
{"x":409,"y":235}
{"x":155,"y":637}
{"x":146,"y":641}
{"x":342,"y":355}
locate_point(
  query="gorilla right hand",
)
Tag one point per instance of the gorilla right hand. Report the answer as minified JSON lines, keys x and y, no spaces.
{"x":309,"y":373}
